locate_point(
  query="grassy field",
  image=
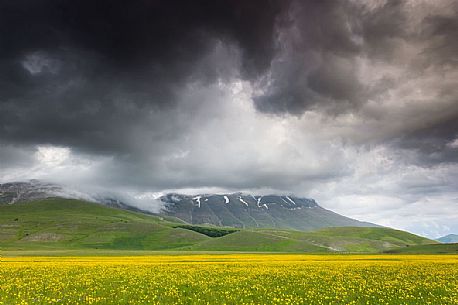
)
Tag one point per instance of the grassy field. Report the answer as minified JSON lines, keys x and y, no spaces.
{"x":231,"y":279}
{"x":74,"y":224}
{"x":66,"y":224}
{"x":427,"y":249}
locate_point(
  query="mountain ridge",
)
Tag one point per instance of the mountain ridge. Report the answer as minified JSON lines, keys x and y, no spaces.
{"x":239,"y":210}
{"x":243,"y":210}
{"x":448,"y":239}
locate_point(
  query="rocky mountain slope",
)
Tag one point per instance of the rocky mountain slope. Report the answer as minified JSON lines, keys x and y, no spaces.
{"x":15,"y":192}
{"x":249,"y":211}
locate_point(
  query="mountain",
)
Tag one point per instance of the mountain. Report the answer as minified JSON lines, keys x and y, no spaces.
{"x":15,"y":192}
{"x":70,"y":224}
{"x":449,"y":239}
{"x":228,"y":210}
{"x":249,"y":211}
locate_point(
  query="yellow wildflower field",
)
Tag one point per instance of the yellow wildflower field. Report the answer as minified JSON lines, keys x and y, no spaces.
{"x":231,"y":279}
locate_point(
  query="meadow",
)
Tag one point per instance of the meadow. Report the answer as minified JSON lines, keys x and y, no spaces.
{"x":230,"y":279}
{"x":66,"y":224}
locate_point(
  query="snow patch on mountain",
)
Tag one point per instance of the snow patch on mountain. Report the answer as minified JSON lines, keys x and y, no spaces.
{"x":243,"y":201}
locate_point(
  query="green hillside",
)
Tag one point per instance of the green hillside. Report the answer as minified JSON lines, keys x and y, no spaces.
{"x":342,"y":239}
{"x":74,"y":224}
{"x":364,"y":239}
{"x":427,"y":249}
{"x":257,"y":241}
{"x":68,"y":224}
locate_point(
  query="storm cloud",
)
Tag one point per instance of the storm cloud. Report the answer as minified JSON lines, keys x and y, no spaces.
{"x":354,"y":103}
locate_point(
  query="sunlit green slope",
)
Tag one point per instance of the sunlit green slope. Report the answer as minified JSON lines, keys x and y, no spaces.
{"x":73,"y":224}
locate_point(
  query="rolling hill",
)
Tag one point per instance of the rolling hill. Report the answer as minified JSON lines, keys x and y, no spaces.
{"x":71,"y":224}
{"x":426,"y":249}
{"x":74,"y":224}
{"x":339,"y":239}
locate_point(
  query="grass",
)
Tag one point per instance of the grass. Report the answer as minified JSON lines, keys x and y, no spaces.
{"x":257,"y":241}
{"x":427,"y":249}
{"x":341,"y":239}
{"x":73,"y":224}
{"x":231,"y":279}
{"x":65,"y":224}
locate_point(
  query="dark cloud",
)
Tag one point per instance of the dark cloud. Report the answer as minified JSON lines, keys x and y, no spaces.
{"x":99,"y":68}
{"x":441,"y":32}
{"x":343,"y":57}
{"x":433,"y":143}
{"x":82,"y":73}
{"x":324,"y":42}
{"x":140,"y":33}
{"x":320,"y":48}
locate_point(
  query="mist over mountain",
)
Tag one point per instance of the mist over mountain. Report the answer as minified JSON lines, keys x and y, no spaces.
{"x":237,"y":210}
{"x":20,"y":192}
{"x":17,"y":192}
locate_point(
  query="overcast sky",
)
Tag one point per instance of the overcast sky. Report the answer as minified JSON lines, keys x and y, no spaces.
{"x":353,"y":103}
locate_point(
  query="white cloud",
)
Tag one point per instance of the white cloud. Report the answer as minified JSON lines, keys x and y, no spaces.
{"x":51,"y":155}
{"x":453,"y":144}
